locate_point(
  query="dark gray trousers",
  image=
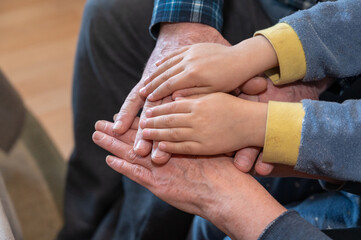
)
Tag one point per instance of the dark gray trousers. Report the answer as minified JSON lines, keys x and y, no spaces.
{"x":114,"y":45}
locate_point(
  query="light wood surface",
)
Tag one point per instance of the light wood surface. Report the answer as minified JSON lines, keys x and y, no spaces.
{"x":37,"y":46}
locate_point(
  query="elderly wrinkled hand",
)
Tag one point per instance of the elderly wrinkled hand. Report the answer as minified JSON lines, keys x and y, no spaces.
{"x":210,"y":187}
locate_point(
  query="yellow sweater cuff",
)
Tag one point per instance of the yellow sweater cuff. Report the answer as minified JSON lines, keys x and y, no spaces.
{"x":283,"y":133}
{"x":290,"y":54}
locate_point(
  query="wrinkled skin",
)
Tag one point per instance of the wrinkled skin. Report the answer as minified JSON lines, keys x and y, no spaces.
{"x":210,"y":187}
{"x":171,"y":37}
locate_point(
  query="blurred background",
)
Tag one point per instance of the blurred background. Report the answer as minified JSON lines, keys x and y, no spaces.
{"x":37,"y":46}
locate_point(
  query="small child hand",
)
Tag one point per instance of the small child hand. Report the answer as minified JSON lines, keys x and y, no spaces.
{"x":209,"y":67}
{"x":207,"y":125}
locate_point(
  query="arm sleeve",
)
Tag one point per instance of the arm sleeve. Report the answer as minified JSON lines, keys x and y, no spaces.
{"x":330,"y":140}
{"x":196,"y":11}
{"x":329,"y":36}
{"x":283,"y":132}
{"x":318,"y":138}
{"x":291,"y":226}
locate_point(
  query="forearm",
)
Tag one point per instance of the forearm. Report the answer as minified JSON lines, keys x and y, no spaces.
{"x":325,"y":138}
{"x":331,"y":37}
{"x":257,"y":54}
{"x":246,"y":212}
{"x":316,"y":43}
{"x":330,"y":144}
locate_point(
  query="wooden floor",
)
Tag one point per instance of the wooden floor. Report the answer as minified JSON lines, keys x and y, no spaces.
{"x":37,"y":46}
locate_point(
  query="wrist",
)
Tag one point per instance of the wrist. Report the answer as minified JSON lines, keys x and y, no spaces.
{"x":189,"y":33}
{"x":245,"y":213}
{"x":257,"y":123}
{"x":258,"y":53}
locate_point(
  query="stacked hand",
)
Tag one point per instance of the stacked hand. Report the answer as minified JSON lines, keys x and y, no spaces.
{"x":171,"y":38}
{"x":210,"y":187}
{"x":198,"y":69}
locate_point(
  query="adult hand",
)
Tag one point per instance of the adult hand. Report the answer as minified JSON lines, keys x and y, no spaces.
{"x":295,"y":92}
{"x":210,"y":187}
{"x":172,"y":36}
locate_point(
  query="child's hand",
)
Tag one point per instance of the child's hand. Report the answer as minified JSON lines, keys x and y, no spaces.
{"x":209,"y":67}
{"x":206,"y":125}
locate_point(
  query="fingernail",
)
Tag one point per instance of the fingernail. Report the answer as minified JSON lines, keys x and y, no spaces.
{"x":109,"y":159}
{"x":98,"y":136}
{"x":142,"y":91}
{"x":178,"y":98}
{"x":161,"y":146}
{"x":140,"y":145}
{"x":117,"y":125}
{"x":100,"y":125}
{"x":157,"y":63}
{"x":151,"y":96}
{"x":243,"y":163}
{"x":148,"y":113}
{"x":158,"y":154}
{"x":145,"y":133}
{"x":143,"y":123}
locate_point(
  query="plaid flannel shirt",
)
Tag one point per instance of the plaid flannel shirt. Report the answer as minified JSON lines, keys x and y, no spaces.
{"x":197,"y":11}
{"x":201,"y":11}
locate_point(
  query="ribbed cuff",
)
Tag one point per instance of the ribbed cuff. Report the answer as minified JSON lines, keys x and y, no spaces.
{"x":283,"y":132}
{"x":290,"y":54}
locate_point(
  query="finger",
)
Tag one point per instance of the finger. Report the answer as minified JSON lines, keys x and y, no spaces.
{"x":119,"y":148}
{"x":166,"y":121}
{"x":263,"y":168}
{"x":128,"y":111}
{"x":167,"y":100}
{"x":173,"y":54}
{"x":159,"y":77}
{"x":143,"y":147}
{"x":169,"y":108}
{"x":191,"y":91}
{"x":169,"y":134}
{"x":106,"y":127}
{"x":187,"y":147}
{"x":253,"y":98}
{"x":245,"y":158}
{"x":159,"y":156}
{"x":192,"y":97}
{"x":254,"y":86}
{"x":134,"y":124}
{"x":165,"y":85}
{"x":137,"y":173}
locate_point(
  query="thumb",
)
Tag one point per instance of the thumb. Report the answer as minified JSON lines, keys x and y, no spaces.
{"x":245,"y":158}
